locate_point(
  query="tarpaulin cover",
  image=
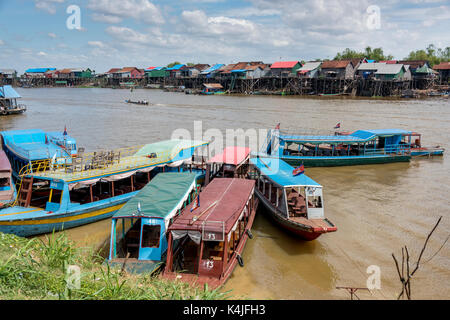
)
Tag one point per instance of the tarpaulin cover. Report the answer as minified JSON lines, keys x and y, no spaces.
{"x":221,"y":204}
{"x":161,"y":197}
{"x":231,"y":155}
{"x":8,"y":92}
{"x":281,"y":173}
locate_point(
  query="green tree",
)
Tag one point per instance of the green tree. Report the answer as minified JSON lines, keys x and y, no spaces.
{"x":432,"y":54}
{"x":368,"y":53}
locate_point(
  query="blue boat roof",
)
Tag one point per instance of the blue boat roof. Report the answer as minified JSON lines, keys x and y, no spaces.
{"x":30,"y":144}
{"x":359,"y":136}
{"x":213,"y":68}
{"x":8,"y":92}
{"x":281,"y":173}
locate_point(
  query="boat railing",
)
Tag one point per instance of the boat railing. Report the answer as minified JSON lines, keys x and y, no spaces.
{"x":307,"y":132}
{"x":389,"y":149}
{"x":96,"y":163}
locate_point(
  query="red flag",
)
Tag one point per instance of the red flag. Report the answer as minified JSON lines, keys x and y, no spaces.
{"x":65,"y":131}
{"x":299,"y":170}
{"x":338,"y":125}
{"x":278,"y":126}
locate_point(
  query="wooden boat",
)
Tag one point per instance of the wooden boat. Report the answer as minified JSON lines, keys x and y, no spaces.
{"x":232,"y":162}
{"x":7,"y":187}
{"x":143,"y":102}
{"x":295,"y":202}
{"x":357,"y":148}
{"x":8,"y":101}
{"x":142,"y":247}
{"x":212,"y":232}
{"x":91,"y":187}
{"x":24,"y":147}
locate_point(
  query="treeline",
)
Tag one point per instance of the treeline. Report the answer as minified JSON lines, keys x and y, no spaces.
{"x":433,"y":54}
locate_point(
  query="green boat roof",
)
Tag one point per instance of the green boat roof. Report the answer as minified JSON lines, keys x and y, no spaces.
{"x":174,"y":146}
{"x":161,"y":197}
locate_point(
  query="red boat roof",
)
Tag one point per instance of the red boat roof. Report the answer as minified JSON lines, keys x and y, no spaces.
{"x":222,"y":200}
{"x":231,"y":155}
{"x":4,"y":162}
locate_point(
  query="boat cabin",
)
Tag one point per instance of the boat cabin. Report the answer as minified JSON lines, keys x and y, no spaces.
{"x":232,"y":162}
{"x":211,"y":232}
{"x":294,"y":199}
{"x":8,"y":101}
{"x":140,"y":242}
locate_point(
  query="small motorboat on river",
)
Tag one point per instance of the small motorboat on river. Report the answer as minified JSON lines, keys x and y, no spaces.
{"x":142,"y":102}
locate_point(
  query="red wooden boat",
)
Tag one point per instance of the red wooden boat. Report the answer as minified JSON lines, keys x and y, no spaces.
{"x":232,"y":162}
{"x":211,"y":233}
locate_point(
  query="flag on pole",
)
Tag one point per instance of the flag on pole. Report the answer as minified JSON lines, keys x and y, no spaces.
{"x":299,"y":170}
{"x":65,"y":131}
{"x":196,"y":202}
{"x":338,"y":126}
{"x":278,"y":126}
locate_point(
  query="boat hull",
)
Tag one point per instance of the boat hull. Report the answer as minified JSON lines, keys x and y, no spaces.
{"x":49,"y":222}
{"x":343,"y":161}
{"x":418,"y":152}
{"x":305,"y":232}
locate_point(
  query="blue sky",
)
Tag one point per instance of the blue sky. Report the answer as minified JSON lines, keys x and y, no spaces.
{"x":143,"y":33}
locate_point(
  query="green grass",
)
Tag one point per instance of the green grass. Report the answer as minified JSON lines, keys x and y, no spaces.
{"x":36,"y":269}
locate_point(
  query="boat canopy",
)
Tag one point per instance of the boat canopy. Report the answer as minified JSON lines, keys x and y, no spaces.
{"x":281,"y":173}
{"x":34,"y":144}
{"x":359,"y":136}
{"x":231,"y":155}
{"x":5,"y":165}
{"x":7,"y":92}
{"x":161,"y":198}
{"x":174,"y":147}
{"x":221,"y":204}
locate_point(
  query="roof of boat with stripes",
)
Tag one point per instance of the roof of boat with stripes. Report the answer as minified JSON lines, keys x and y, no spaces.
{"x":220,"y":205}
{"x":281,"y":173}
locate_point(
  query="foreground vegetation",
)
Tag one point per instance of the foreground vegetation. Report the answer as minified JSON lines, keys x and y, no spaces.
{"x":36,"y":269}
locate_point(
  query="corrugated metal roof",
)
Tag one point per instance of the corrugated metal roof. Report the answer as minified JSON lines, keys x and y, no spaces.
{"x":442,"y":66}
{"x":176,"y":67}
{"x":370,"y":66}
{"x":213,"y":68}
{"x":308,"y":66}
{"x":284,"y":64}
{"x":335,"y":64}
{"x":389,"y":68}
{"x":8,"y":92}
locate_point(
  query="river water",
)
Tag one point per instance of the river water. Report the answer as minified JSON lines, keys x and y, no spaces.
{"x":377,"y":208}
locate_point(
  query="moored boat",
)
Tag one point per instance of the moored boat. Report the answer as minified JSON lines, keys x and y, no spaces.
{"x":140,"y":244}
{"x":8,"y":101}
{"x":7,"y":187}
{"x":358,"y":148}
{"x":232,"y":162}
{"x":293,"y":200}
{"x":93,"y":186}
{"x":211,"y":233}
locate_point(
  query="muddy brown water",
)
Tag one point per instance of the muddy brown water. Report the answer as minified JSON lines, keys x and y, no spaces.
{"x":377,"y":208}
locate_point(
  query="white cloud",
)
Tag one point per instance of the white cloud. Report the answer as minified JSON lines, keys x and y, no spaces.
{"x":41,"y":54}
{"x":106,"y":18}
{"x":51,"y":35}
{"x":142,"y":10}
{"x":98,"y":44}
{"x":47,"y":5}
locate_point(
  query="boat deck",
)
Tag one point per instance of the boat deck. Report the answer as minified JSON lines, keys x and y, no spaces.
{"x":193,"y":279}
{"x":317,"y":224}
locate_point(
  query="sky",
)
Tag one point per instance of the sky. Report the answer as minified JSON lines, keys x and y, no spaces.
{"x":144,"y":33}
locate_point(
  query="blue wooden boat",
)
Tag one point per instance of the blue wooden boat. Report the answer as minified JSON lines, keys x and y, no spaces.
{"x":24,"y":147}
{"x":93,"y":186}
{"x":357,"y":148}
{"x":8,"y":101}
{"x":294,"y":201}
{"x":140,"y":243}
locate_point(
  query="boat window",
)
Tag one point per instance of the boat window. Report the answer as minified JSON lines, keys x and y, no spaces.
{"x":150,"y":236}
{"x":56,"y":196}
{"x":212,"y":250}
{"x":314,"y":202}
{"x":40,"y":193}
{"x":4,"y":183}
